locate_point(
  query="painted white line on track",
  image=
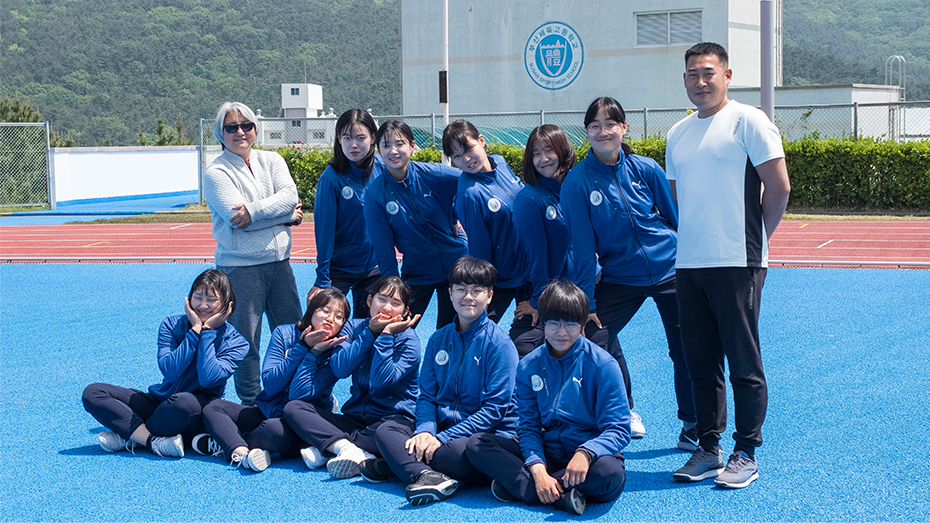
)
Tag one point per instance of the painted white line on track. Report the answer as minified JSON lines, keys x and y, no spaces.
{"x":179,"y":226}
{"x":822,"y":244}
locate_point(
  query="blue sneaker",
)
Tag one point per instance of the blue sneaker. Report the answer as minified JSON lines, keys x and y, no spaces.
{"x":702,"y":465}
{"x":741,"y":470}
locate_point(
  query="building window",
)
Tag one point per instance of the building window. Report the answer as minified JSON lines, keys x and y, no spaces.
{"x":318,"y":134}
{"x":274,"y":136}
{"x":295,"y":91}
{"x":295,"y":123}
{"x":671,"y":28}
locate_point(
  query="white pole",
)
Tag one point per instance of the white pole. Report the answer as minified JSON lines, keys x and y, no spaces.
{"x":767,"y":58}
{"x":445,"y":58}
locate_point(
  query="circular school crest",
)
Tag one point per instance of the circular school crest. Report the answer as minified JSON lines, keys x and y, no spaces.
{"x":596,"y":198}
{"x":536,"y":382}
{"x":494,"y":204}
{"x":347,"y":193}
{"x":442,"y":357}
{"x":551,"y":213}
{"x":392,"y":207}
{"x":553,"y":55}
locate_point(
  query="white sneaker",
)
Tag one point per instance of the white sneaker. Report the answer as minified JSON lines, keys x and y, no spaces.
{"x":345,"y":464}
{"x":256,"y":460}
{"x":168,"y":447}
{"x":313,"y":458}
{"x":637,"y":430}
{"x":113,"y":442}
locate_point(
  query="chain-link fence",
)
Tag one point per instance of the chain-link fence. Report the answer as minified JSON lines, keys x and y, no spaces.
{"x":24,"y":164}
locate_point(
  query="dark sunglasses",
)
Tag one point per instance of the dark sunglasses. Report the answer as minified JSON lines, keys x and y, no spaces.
{"x":231,"y":128}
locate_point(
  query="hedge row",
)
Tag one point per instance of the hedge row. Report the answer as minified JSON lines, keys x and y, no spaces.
{"x":832,"y":174}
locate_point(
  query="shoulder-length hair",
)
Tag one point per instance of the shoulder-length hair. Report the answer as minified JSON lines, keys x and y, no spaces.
{"x":395,"y":127}
{"x":322,"y":299}
{"x":215,"y":280}
{"x":349,"y":119}
{"x":614,"y":112}
{"x":225,"y":109}
{"x":459,"y":133}
{"x":553,"y":137}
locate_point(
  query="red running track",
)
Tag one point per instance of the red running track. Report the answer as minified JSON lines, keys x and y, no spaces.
{"x":796,"y":243}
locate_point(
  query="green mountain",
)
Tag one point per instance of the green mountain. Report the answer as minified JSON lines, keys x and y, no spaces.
{"x":844,"y":41}
{"x":105,"y":70}
{"x":102,"y":71}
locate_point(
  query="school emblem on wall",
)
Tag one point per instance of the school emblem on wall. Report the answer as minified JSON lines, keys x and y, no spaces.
{"x":554,"y":55}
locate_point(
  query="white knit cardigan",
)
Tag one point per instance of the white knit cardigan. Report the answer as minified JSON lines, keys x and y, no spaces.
{"x":269,"y":194}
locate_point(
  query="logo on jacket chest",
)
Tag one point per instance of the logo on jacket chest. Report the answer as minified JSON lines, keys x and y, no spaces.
{"x":596,"y":198}
{"x":537,"y":383}
{"x":391,"y":207}
{"x":551,"y":213}
{"x":347,"y":193}
{"x":494,"y":205}
{"x":442,"y":357}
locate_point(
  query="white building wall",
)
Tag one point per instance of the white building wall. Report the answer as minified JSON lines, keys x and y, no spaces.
{"x":488,"y":40}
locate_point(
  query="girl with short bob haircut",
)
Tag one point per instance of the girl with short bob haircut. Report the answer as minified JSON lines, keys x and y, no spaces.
{"x":345,"y":256}
{"x":296,"y":365}
{"x":484,"y":203}
{"x":621,"y":213}
{"x":197,"y":352}
{"x":410,"y":206}
{"x":569,"y":449}
{"x":382,"y":355}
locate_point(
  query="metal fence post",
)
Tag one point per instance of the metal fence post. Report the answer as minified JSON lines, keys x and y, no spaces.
{"x":200,"y":159}
{"x":542,"y":117}
{"x":50,"y":168}
{"x":855,"y":120}
{"x":432,"y":130}
{"x":645,"y":122}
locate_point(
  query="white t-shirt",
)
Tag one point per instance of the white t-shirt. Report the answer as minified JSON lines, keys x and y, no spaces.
{"x":719,"y":192}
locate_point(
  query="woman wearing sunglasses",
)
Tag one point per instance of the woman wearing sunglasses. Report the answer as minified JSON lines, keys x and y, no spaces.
{"x":254,"y":201}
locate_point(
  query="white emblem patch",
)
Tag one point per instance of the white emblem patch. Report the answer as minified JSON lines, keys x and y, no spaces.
{"x":392,"y":207}
{"x":494,"y":204}
{"x":442,"y":357}
{"x":596,"y":198}
{"x":551,"y":213}
{"x":537,"y":383}
{"x":347,"y":193}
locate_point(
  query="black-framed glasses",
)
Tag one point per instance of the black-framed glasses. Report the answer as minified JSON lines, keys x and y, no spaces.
{"x":231,"y":128}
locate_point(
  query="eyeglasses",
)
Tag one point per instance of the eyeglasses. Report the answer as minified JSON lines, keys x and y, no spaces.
{"x":610,"y":127}
{"x":554,"y":325}
{"x":231,"y":128}
{"x":461,"y":292}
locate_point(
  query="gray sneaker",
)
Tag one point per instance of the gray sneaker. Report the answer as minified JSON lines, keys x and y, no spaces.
{"x":740,"y":472}
{"x":701,"y":465}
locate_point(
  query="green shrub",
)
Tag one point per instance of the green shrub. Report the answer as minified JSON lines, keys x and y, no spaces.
{"x":832,"y":174}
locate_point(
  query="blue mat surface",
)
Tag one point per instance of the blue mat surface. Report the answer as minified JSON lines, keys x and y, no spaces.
{"x":847,"y":355}
{"x":100,"y":208}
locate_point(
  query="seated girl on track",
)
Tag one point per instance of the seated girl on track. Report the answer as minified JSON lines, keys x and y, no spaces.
{"x":382,"y":355}
{"x":197,"y":352}
{"x":296,"y":366}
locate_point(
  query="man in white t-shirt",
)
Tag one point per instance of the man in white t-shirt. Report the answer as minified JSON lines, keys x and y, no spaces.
{"x":727,"y":171}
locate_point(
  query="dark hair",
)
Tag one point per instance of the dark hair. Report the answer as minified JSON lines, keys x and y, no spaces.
{"x":468,"y":270}
{"x":563,"y":300}
{"x":320,"y":300}
{"x":215,"y":280}
{"x":348,"y":119}
{"x":394,"y":127}
{"x":394,"y":287}
{"x":708,"y":48}
{"x":459,"y":133}
{"x":553,"y":137}
{"x":614,"y":112}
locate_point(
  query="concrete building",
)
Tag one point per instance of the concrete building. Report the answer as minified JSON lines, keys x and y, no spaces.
{"x":524,"y":55}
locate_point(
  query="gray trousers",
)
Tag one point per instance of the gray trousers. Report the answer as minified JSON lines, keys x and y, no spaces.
{"x":267,"y":289}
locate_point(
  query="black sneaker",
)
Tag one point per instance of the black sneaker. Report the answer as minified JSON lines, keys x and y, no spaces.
{"x":688,"y":439}
{"x":205,"y":445}
{"x":431,"y":486}
{"x":375,"y":470}
{"x":501,"y":493}
{"x":700,"y":466}
{"x":571,"y":501}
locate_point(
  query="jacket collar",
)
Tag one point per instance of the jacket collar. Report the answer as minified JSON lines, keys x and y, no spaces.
{"x":597,"y":166}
